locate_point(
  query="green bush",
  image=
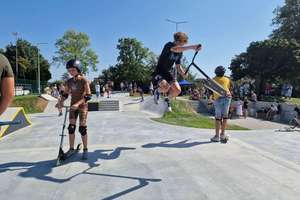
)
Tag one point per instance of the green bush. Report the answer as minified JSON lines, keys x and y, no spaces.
{"x":30,"y":103}
{"x":184,"y":115}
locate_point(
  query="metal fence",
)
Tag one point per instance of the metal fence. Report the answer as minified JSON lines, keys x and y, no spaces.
{"x":25,"y":86}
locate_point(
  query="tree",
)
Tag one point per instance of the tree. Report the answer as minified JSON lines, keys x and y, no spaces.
{"x":134,"y":63}
{"x":76,"y":45}
{"x":133,"y":60}
{"x":287,"y":20}
{"x":27,"y":60}
{"x":269,"y":60}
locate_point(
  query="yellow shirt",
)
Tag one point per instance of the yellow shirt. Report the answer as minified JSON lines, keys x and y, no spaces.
{"x":225,"y":82}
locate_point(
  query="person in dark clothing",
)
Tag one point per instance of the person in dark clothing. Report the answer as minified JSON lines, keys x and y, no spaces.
{"x":140,"y":90}
{"x":245,"y":107}
{"x":163,"y":79}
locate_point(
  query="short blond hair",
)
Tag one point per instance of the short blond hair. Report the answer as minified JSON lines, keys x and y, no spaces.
{"x":180,"y":37}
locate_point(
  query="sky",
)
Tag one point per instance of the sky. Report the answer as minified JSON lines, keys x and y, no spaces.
{"x":225,"y":28}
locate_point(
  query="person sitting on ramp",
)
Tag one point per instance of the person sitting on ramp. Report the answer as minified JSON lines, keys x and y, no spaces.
{"x":79,"y":89}
{"x":163,"y":79}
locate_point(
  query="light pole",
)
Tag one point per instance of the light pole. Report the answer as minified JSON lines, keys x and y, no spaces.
{"x":176,"y":23}
{"x":16,"y":35}
{"x":38,"y":66}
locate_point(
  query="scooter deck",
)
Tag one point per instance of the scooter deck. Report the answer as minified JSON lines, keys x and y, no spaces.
{"x":214,"y":87}
{"x":63,"y":157}
{"x":208,"y":82}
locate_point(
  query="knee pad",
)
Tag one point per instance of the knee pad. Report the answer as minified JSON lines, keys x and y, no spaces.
{"x":83,"y":130}
{"x":72,"y":128}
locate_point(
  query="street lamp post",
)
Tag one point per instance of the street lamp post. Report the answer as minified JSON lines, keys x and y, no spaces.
{"x":38,"y":66}
{"x":176,"y":23}
{"x":16,"y":79}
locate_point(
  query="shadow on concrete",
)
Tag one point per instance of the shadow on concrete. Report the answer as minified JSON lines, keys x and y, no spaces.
{"x":41,"y":169}
{"x":181,"y":144}
{"x":46,"y":116}
{"x":142,"y":182}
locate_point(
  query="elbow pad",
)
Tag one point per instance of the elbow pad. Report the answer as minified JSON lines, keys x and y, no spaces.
{"x":87,"y":97}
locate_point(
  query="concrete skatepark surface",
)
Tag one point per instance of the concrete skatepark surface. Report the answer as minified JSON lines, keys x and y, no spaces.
{"x":132,"y":157}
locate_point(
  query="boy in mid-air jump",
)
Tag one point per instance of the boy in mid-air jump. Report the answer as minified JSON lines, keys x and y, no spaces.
{"x":163,"y":79}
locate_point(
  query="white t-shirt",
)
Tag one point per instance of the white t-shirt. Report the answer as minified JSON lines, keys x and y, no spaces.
{"x":239,"y":108}
{"x":97,"y":88}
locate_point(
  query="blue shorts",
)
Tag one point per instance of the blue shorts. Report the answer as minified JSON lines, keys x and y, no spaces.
{"x":222,"y":105}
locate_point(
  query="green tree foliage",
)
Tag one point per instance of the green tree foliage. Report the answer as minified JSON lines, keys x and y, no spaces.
{"x":268,"y":60}
{"x":278,"y":58}
{"x":287,"y":20}
{"x":134,"y":63}
{"x":27,"y":60}
{"x":76,"y":45}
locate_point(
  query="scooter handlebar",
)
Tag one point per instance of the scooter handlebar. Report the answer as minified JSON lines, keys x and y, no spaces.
{"x":188,"y":68}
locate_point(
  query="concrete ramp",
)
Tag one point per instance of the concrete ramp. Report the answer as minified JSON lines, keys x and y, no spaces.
{"x":150,"y":107}
{"x":14,"y":114}
{"x":48,"y":97}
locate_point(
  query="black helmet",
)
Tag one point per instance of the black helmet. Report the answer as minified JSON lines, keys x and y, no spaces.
{"x":220,"y":71}
{"x":74,"y":63}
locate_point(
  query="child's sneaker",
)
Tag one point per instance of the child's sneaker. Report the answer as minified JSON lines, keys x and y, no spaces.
{"x":156,"y":96}
{"x":167,"y":100}
{"x":70,"y":152}
{"x":85,"y":154}
{"x":215,"y":139}
{"x":224,"y":138}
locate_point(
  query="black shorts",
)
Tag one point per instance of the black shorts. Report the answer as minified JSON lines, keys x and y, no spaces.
{"x":157,"y":78}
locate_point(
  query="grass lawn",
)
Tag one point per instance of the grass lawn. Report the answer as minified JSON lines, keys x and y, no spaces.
{"x":184,"y":115}
{"x":282,"y":100}
{"x":30,"y":103}
{"x":293,"y":101}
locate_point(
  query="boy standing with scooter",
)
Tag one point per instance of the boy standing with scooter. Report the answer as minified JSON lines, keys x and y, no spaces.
{"x":221,"y":104}
{"x":79,"y":89}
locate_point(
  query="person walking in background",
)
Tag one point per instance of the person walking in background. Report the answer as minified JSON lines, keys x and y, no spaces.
{"x":283,"y":90}
{"x":55,"y":91}
{"x":97,"y":88}
{"x":242,"y":90}
{"x":141,"y":92}
{"x":271,"y":112}
{"x":130,"y":88}
{"x":122,"y":86}
{"x":253,"y":96}
{"x":61,"y":90}
{"x":239,"y":108}
{"x":151,"y":88}
{"x":135,"y":87}
{"x":107,"y":90}
{"x":289,"y":90}
{"x":245,"y":107}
